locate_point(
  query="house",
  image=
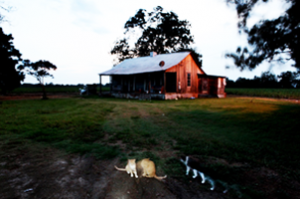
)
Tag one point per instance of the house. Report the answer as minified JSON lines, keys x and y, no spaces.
{"x":164,"y":76}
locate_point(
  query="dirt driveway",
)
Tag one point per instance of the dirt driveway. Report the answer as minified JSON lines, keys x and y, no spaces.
{"x":50,"y":174}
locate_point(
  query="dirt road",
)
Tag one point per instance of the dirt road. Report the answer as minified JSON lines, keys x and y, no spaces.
{"x":49,"y":174}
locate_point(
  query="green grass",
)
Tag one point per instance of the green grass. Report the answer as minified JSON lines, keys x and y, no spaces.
{"x":73,"y":127}
{"x":265,"y":92}
{"x":234,"y":129}
{"x":261,"y":133}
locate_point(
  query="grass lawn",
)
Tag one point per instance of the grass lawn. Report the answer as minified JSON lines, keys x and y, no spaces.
{"x":259,"y":133}
{"x":266,"y":92}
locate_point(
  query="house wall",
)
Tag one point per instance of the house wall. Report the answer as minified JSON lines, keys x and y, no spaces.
{"x":187,"y":65}
{"x":212,"y":86}
{"x":221,"y":87}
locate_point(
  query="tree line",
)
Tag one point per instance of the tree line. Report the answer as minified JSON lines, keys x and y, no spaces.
{"x":13,"y":68}
{"x":50,"y":84}
{"x":267,"y":80}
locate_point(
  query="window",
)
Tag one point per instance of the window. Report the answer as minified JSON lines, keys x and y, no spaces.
{"x":189,"y":79}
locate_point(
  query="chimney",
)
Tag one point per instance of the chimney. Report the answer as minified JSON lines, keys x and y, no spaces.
{"x":153,"y":54}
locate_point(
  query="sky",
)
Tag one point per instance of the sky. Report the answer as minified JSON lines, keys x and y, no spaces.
{"x":77,"y":35}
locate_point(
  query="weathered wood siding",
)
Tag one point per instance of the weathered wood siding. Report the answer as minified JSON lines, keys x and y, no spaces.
{"x":188,"y":65}
{"x":214,"y":86}
{"x":221,"y":87}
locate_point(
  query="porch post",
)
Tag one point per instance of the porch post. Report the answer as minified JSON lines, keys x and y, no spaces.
{"x":111,"y":82}
{"x":100,"y":84}
{"x":133,"y":83}
{"x":149,"y":83}
{"x":165,"y":83}
{"x":129,"y":84}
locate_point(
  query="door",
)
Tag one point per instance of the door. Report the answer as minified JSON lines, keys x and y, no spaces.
{"x":171,"y":82}
{"x":202,"y":85}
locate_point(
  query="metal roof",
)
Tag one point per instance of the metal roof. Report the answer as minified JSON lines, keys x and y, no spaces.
{"x":204,"y":75}
{"x":146,"y":64}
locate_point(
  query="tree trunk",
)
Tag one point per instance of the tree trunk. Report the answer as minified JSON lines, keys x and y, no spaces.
{"x":44,"y":92}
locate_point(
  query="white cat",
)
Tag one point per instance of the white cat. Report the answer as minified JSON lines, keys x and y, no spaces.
{"x":130,"y":168}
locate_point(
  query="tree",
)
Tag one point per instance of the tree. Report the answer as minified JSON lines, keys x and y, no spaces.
{"x":271,"y":40}
{"x":10,"y":78}
{"x":162,"y":32}
{"x":39,"y":70}
{"x":268,"y":80}
{"x":288,"y":79}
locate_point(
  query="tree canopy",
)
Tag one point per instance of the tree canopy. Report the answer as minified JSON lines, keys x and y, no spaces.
{"x":271,"y":40}
{"x":10,"y":57}
{"x":39,"y":70}
{"x":162,"y":32}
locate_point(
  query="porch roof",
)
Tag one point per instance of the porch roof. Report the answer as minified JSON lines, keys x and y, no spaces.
{"x":146,"y":64}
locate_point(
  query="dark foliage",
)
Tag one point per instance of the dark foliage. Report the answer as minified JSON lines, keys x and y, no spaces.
{"x":162,"y":32}
{"x":39,"y":70}
{"x":10,"y":78}
{"x":267,"y":80}
{"x":289,"y":79}
{"x":272,"y":40}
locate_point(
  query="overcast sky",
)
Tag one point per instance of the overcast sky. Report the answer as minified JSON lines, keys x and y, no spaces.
{"x":77,"y":35}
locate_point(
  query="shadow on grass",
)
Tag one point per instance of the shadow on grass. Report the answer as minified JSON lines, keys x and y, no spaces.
{"x":70,"y":124}
{"x":268,"y":138}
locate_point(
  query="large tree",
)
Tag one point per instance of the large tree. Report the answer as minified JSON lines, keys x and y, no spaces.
{"x":288,"y":79}
{"x":10,"y":57}
{"x":271,"y":40}
{"x":39,"y":70}
{"x":161,"y":32}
